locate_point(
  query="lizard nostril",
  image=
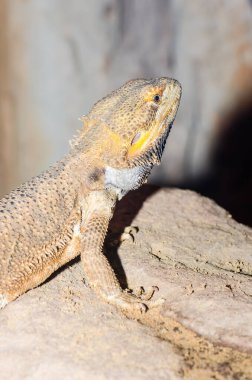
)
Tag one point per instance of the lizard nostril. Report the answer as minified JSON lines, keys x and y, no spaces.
{"x":136,"y":138}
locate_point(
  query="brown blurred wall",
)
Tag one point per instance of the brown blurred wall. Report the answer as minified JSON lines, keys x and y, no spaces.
{"x":8,"y":147}
{"x":58,"y":57}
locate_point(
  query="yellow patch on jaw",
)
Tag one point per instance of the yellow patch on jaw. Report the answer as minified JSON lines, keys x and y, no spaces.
{"x":152,"y":92}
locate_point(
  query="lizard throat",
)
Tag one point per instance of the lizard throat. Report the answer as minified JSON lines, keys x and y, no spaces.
{"x":123,"y":180}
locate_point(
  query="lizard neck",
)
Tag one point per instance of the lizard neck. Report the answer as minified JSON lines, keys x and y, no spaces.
{"x":104,"y":165}
{"x":98,"y":140}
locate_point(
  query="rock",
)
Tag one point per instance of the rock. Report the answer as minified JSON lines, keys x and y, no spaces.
{"x":200,"y":259}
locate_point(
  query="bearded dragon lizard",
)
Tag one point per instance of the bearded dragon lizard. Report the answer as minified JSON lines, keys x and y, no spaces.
{"x":65,"y":211}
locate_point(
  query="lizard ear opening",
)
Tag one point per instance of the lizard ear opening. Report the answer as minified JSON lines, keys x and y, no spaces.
{"x":136,"y":138}
{"x":138,"y":143}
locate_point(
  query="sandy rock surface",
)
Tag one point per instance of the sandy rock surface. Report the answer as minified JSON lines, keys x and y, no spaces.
{"x":200,"y":259}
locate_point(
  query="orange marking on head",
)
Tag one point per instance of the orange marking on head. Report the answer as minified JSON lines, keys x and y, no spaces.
{"x":152,"y":92}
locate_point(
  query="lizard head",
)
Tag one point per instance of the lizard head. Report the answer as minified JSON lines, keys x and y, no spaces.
{"x":139,"y":116}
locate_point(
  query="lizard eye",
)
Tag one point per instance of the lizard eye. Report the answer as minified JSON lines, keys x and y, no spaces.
{"x":156,"y":98}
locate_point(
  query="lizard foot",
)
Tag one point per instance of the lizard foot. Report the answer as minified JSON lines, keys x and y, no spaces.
{"x":136,"y":303}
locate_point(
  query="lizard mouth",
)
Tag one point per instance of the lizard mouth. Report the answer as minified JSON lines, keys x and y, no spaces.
{"x":149,"y":146}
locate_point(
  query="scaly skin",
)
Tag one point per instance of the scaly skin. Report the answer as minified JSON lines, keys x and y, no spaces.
{"x":66,"y":210}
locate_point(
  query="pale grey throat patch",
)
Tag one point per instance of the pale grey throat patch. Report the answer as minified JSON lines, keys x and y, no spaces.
{"x":124,"y":180}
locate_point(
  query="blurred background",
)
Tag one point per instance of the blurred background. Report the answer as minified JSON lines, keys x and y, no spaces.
{"x":57,"y":57}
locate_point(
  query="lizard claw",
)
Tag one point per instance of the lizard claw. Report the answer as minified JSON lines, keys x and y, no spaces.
{"x":119,"y":237}
{"x":146,"y":295}
{"x":136,"y":302}
{"x":128,"y":233}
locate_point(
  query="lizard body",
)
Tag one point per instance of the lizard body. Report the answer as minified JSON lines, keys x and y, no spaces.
{"x":65,"y":211}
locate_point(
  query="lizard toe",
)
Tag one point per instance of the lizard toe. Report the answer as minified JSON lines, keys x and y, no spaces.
{"x":147,"y":294}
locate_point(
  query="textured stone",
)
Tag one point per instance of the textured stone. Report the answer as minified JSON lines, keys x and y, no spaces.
{"x":201,"y":260}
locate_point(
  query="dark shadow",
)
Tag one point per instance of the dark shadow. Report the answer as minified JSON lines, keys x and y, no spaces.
{"x":232,"y":165}
{"x":124,"y":214}
{"x":130,"y":205}
{"x":61,"y":269}
{"x":229,"y":182}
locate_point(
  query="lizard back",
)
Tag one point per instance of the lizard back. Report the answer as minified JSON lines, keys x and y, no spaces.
{"x":36,"y":219}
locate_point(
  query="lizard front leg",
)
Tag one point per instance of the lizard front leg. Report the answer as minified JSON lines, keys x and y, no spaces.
{"x":97,"y":212}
